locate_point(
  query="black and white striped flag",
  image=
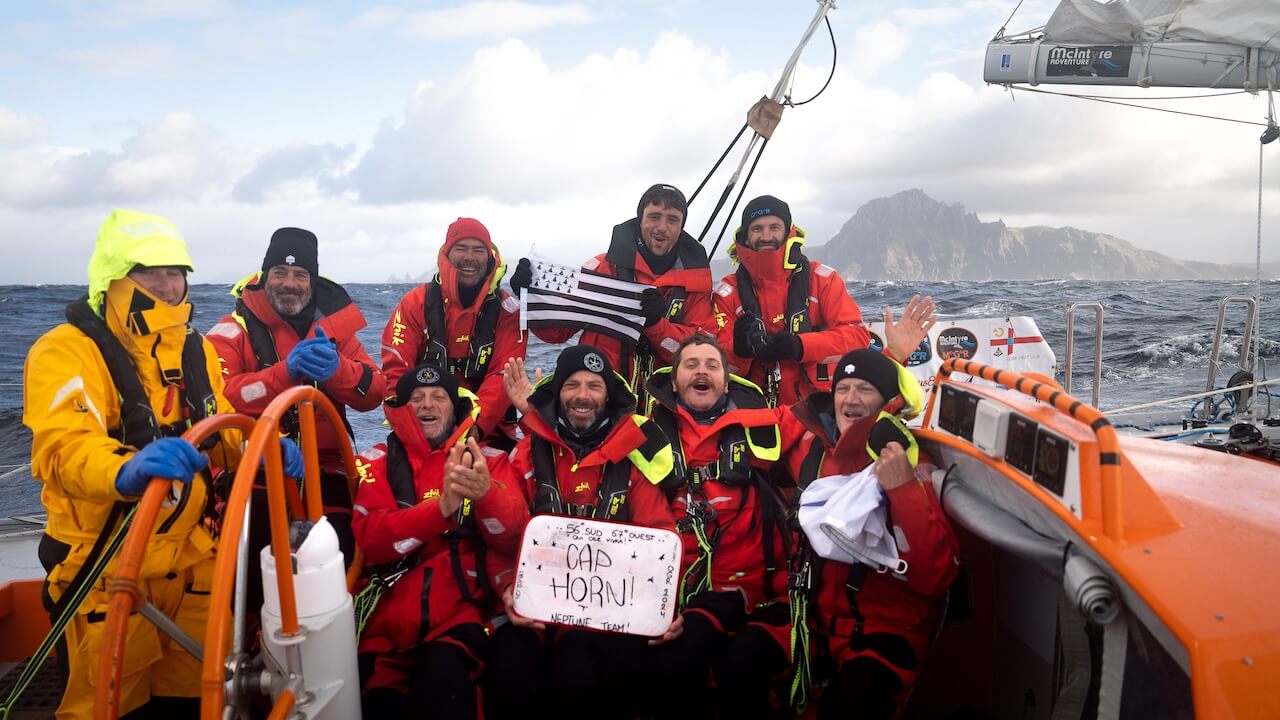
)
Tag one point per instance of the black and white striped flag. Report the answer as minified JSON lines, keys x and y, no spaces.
{"x":564,"y":296}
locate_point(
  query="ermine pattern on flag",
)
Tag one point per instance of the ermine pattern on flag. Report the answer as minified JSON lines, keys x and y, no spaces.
{"x":566,"y":296}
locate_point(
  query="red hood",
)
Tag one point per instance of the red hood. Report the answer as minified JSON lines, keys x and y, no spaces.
{"x":771,"y":265}
{"x":405,"y":424}
{"x":448,"y":274}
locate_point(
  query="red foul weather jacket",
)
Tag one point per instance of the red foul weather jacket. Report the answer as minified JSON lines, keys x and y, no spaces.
{"x":477,"y":339}
{"x":686,"y":287}
{"x":832,"y":318}
{"x":719,"y":468}
{"x":397,"y":517}
{"x":581,"y":486}
{"x":254,"y":341}
{"x":907,"y":605}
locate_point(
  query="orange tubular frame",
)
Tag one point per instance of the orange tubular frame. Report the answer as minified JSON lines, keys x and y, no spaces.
{"x":263,"y":443}
{"x":123,"y":591}
{"x":1109,"y":455}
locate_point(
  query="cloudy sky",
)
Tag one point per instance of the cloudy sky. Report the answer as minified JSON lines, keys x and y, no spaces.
{"x":375,"y":126}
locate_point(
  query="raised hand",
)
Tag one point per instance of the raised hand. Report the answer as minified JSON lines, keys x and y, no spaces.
{"x":904,"y":336}
{"x":516,"y":382}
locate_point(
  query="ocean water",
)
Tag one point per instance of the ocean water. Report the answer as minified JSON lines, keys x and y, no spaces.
{"x":1156,"y":343}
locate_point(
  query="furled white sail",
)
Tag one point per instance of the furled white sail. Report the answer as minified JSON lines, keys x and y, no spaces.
{"x":1175,"y":43}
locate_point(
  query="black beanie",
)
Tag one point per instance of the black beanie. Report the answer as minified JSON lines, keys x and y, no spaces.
{"x":664,"y":194}
{"x":582,"y":357}
{"x":426,"y":375}
{"x":872,"y":366}
{"x":293,"y":246}
{"x":766,"y":205}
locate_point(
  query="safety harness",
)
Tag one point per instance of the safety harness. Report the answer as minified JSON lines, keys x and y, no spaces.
{"x":652,"y":457}
{"x":797,"y":317}
{"x":732,"y":467}
{"x":622,"y":256}
{"x":138,"y":427}
{"x":475,"y":366}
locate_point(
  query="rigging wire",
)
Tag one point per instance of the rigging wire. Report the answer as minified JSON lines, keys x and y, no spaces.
{"x":1156,"y":99}
{"x":1005,"y":24}
{"x":1268,"y":136}
{"x":1134,"y":105}
{"x":741,"y":191}
{"x":715,"y":167}
{"x":830,"y":75}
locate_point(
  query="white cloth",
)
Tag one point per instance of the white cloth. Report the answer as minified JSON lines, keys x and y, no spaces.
{"x":845,"y":519}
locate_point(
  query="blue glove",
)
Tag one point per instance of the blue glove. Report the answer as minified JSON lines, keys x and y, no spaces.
{"x":292,"y":456}
{"x":315,"y":358}
{"x":171,"y":458}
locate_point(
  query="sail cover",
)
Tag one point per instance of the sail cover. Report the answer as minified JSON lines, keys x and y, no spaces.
{"x":1248,"y":23}
{"x":1171,"y":43}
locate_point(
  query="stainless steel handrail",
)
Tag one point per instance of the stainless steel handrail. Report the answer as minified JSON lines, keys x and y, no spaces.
{"x":1097,"y":346}
{"x":1251,"y":305}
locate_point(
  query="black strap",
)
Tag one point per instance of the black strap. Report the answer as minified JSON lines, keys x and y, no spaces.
{"x":611,"y":495}
{"x":400,"y":478}
{"x":138,"y":424}
{"x":736,"y":471}
{"x":475,"y":366}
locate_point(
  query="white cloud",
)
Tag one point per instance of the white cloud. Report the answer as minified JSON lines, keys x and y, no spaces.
{"x":125,"y":60}
{"x":18,"y":130}
{"x":511,"y":128}
{"x":554,"y":155}
{"x":175,"y":157}
{"x":486,"y":18}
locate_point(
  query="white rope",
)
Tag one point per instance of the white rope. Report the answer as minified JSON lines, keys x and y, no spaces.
{"x":1220,"y":391}
{"x":16,"y":469}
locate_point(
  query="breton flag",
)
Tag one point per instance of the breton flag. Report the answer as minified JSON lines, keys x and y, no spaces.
{"x":564,"y":296}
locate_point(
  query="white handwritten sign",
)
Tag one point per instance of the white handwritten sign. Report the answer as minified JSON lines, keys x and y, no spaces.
{"x":596,"y":574}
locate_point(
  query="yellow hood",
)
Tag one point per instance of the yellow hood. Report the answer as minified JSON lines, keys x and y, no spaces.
{"x":128,"y":238}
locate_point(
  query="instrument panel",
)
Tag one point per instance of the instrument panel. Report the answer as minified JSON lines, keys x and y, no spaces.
{"x":1015,"y":433}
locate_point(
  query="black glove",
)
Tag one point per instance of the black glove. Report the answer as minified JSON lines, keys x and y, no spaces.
{"x":653,"y":306}
{"x":748,"y":334}
{"x":780,"y":346}
{"x":884,"y":432}
{"x":522,"y":277}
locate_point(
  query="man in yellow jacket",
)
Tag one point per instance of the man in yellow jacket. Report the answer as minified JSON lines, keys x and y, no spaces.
{"x":106,"y":395}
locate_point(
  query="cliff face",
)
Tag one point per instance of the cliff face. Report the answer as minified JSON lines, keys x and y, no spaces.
{"x":911,"y":236}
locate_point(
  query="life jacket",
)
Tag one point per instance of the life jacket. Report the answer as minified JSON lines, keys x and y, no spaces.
{"x":615,"y":480}
{"x":796,"y":313}
{"x":737,"y":443}
{"x":475,"y":365}
{"x":732,"y":467}
{"x":328,"y":298}
{"x":400,"y":478}
{"x":138,"y":425}
{"x":690,"y":256}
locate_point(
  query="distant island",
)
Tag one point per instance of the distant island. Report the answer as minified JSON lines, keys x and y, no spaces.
{"x":911,"y":236}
